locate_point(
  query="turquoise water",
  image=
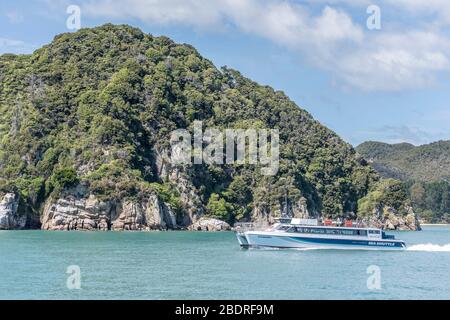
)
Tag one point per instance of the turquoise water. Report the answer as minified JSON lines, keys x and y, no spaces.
{"x":195,"y":265}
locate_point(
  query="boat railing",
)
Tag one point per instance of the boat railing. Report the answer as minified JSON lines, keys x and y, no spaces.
{"x":250,"y":226}
{"x":259,"y":226}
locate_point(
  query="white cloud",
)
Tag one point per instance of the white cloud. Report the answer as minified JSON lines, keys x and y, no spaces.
{"x":10,"y":43}
{"x":195,"y":13}
{"x":294,"y":27}
{"x":438,"y":9}
{"x":403,"y":133}
{"x":396,"y":61}
{"x":15,"y":46}
{"x":14,"y":17}
{"x":388,"y":59}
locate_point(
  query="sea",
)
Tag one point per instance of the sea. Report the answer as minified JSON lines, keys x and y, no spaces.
{"x":205,"y":265}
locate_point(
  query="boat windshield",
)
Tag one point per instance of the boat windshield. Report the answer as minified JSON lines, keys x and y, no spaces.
{"x":283,"y":227}
{"x":387,"y":236}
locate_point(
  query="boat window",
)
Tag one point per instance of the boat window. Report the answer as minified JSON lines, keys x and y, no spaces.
{"x":330,"y":231}
{"x":310,"y":230}
{"x":374,"y":231}
{"x":346,"y":232}
{"x":317,"y":230}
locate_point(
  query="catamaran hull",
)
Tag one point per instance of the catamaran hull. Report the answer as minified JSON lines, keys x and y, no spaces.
{"x":261,"y":240}
{"x":242,"y":239}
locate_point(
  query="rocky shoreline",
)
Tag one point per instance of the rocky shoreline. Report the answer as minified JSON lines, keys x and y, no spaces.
{"x":91,"y":214}
{"x":389,"y":219}
{"x":9,"y":217}
{"x":74,"y":211}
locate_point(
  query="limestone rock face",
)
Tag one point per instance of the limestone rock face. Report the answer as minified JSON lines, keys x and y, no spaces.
{"x":9,"y":217}
{"x":263,"y":217}
{"x":209,"y":224}
{"x":390,"y":219}
{"x":180,"y":177}
{"x":158,"y":215}
{"x":130,"y":217}
{"x":300,"y":209}
{"x":73,"y":213}
{"x":150,"y":214}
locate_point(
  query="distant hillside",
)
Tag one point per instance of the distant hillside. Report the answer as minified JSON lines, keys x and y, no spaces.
{"x":405,"y":161}
{"x":424,"y":170}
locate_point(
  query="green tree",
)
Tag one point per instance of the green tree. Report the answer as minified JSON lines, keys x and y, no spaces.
{"x":65,"y":177}
{"x":387,"y":192}
{"x":418,"y":193}
{"x":219,"y":208}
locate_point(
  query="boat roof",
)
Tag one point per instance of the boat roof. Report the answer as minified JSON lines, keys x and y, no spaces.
{"x":328,"y":227}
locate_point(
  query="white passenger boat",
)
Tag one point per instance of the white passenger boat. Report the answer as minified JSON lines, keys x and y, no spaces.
{"x":308,"y":234}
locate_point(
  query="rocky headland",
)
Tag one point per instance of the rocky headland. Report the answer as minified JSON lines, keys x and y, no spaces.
{"x":85,"y":138}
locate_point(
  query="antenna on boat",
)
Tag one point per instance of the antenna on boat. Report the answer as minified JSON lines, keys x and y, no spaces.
{"x":286,"y":211}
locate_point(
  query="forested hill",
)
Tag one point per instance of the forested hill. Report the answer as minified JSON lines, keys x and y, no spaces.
{"x":84,"y":131}
{"x":427,"y":163}
{"x":424,"y":170}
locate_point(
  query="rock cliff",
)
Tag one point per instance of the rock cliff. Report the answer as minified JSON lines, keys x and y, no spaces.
{"x":89,"y":213}
{"x":9,"y":216}
{"x":209,"y":224}
{"x":390,"y":219}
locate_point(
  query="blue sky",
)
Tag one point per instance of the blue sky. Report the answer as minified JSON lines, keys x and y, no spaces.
{"x":390,"y":84}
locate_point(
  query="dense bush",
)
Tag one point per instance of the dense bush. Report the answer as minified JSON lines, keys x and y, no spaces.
{"x":219,"y":208}
{"x":431,"y":200}
{"x":386,"y":193}
{"x":63,"y":178}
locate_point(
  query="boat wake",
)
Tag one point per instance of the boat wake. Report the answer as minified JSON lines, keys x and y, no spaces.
{"x":430,"y":247}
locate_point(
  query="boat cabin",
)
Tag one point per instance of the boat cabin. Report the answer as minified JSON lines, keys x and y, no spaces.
{"x":311,"y":227}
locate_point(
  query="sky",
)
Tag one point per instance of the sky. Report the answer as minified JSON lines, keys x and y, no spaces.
{"x":369,"y":70}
